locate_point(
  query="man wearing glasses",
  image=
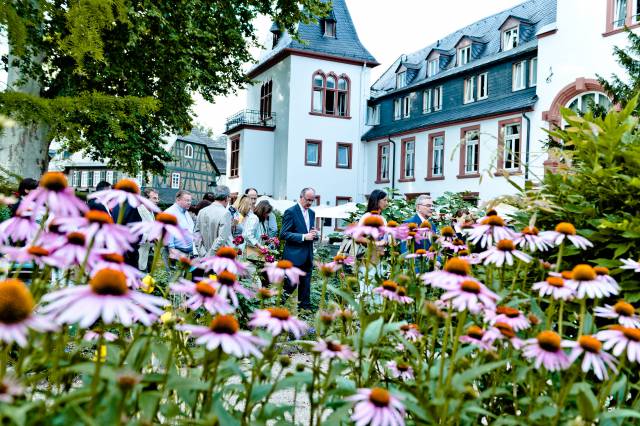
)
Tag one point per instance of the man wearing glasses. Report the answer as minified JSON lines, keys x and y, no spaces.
{"x":298,"y":233}
{"x":252,"y":193}
{"x":424,"y":206}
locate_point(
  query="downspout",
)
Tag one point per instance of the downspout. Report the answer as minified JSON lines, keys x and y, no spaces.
{"x":393,"y":164}
{"x":526,"y":158}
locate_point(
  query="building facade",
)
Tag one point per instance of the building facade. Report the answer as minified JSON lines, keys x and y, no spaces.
{"x":467,"y":113}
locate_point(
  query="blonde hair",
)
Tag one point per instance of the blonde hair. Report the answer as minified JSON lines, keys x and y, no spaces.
{"x":243,"y":205}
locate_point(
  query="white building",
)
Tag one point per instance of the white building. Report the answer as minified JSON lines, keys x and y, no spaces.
{"x":459,"y":115}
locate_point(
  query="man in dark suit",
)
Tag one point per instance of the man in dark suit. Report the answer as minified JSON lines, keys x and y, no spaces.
{"x":93,"y":203}
{"x":424,"y":205}
{"x":130,"y":215}
{"x":298,"y":234}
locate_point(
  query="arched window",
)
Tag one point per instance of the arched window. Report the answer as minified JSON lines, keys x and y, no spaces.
{"x":343,"y":96}
{"x":318,"y":92}
{"x":330,"y":95}
{"x":584,"y":101}
{"x":188,"y":151}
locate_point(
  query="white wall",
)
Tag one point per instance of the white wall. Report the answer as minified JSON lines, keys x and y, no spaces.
{"x":256,"y":158}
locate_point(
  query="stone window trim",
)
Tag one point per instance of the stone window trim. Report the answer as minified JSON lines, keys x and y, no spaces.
{"x":234,"y":169}
{"x":462,"y":174}
{"x":403,"y":151}
{"x":430,"y":152}
{"x":568,"y":92}
{"x":630,"y":20}
{"x":337,"y":92}
{"x":317,"y":142}
{"x":502,"y":124}
{"x":379,"y":175}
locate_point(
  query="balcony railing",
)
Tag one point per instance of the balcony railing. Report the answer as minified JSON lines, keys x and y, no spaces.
{"x":251,"y":118}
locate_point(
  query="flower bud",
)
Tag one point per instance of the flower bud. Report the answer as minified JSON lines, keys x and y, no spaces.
{"x":284,"y":361}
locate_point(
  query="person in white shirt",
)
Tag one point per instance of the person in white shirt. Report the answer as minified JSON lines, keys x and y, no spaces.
{"x":180,"y":209}
{"x":147,"y":216}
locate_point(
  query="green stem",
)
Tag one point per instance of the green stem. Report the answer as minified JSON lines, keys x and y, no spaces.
{"x":216,"y":362}
{"x":559,"y":260}
{"x":96,"y":374}
{"x":443,"y":349}
{"x":583,"y":307}
{"x":560,"y":319}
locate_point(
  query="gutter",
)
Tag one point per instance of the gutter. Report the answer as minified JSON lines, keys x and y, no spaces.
{"x":526,"y":158}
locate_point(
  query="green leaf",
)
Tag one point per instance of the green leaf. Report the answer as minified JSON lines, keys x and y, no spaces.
{"x":461,"y":379}
{"x":544,"y":412}
{"x":620,"y":413}
{"x":586,"y":400}
{"x":224,"y":417}
{"x":339,"y":416}
{"x":373,"y":332}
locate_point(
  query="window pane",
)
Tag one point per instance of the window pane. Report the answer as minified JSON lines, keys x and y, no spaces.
{"x":342,"y":104}
{"x":620,"y":13}
{"x":533,"y":73}
{"x":318,"y":81}
{"x":317,"y":100}
{"x":312,"y":153}
{"x":329,"y":102}
{"x":343,"y":156}
{"x":331,"y":83}
{"x":342,"y":84}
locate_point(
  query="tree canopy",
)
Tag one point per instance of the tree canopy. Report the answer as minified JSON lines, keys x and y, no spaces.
{"x":116,"y":75}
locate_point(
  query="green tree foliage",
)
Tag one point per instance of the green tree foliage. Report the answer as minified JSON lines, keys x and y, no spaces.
{"x":116,"y":75}
{"x":597,"y":187}
{"x":620,"y":91}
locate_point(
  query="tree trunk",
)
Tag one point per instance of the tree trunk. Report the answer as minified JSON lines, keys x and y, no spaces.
{"x":24,"y":148}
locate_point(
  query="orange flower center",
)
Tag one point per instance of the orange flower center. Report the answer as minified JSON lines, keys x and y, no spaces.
{"x":205,"y":290}
{"x":470,"y":286}
{"x":374,"y":221}
{"x":392,"y":224}
{"x":557,"y":282}
{"x":475,"y":332}
{"x":54,"y":181}
{"x":264,"y":293}
{"x":425,"y":224}
{"x":227,"y":278}
{"x":227,"y":252}
{"x":284,"y":264}
{"x":402,"y":367}
{"x":583,"y":272}
{"x":505,"y":245}
{"x":167,"y":219}
{"x":566,"y":228}
{"x":623,"y":308}
{"x":590,"y":344}
{"x":401,"y":291}
{"x":334,"y":346}
{"x":224,"y":324}
{"x":98,"y":216}
{"x":530,"y":230}
{"x":280,"y":313}
{"x":493,"y":220}
{"x":421,"y":252}
{"x":16,"y":302}
{"x":631,"y":333}
{"x":457,"y":266}
{"x":567,"y":275}
{"x":407,"y":327}
{"x":37,"y":251}
{"x":412,"y":226}
{"x":505,"y":329}
{"x":76,"y":238}
{"x":127,"y":185}
{"x":549,"y":341}
{"x":389,"y":285}
{"x":601,"y":270}
{"x":113,"y":257}
{"x":447,"y":231}
{"x":109,"y":282}
{"x":458,"y":242}
{"x":339,"y":258}
{"x":508,"y":311}
{"x":380,"y":397}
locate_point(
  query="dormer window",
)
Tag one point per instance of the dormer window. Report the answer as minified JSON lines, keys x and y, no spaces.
{"x":276,"y":38}
{"x":329,"y":29}
{"x":432,"y":67}
{"x":510,"y":38}
{"x":464,"y":55}
{"x":401,"y":79}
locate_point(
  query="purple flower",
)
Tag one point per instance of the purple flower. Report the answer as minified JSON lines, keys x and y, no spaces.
{"x":619,"y":338}
{"x":277,"y":320}
{"x":163,"y":228}
{"x":491,"y":228}
{"x":224,"y":259}
{"x":594,"y":358}
{"x":227,"y":286}
{"x":400,"y":370}
{"x":469,"y":295}
{"x":503,"y":252}
{"x":202,"y":294}
{"x":277,"y":271}
{"x":124,"y":191}
{"x":546,"y":350}
{"x":54,"y":194}
{"x":331,"y":349}
{"x":530,"y":238}
{"x":19,"y":228}
{"x":622,"y":311}
{"x":584,"y":280}
{"x":565,"y":230}
{"x":377,"y":407}
{"x":555,"y":287}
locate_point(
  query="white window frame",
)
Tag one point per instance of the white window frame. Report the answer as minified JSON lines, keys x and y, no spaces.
{"x":384,"y":162}
{"x":510,"y":38}
{"x":109,"y":176}
{"x":533,"y":72}
{"x":188,"y":151}
{"x":509,"y":143}
{"x":437,"y":162}
{"x":437,"y":98}
{"x":469,"y":90}
{"x":472,"y":146}
{"x":483,"y":86}
{"x":397,"y":109}
{"x":401,"y":79}
{"x":347,"y":164}
{"x":432,"y":67}
{"x":580,"y":99}
{"x":175,"y":180}
{"x":464,"y":55}
{"x":374,"y":115}
{"x":96,"y":177}
{"x":519,"y":76}
{"x":84,"y":179}
{"x":75,"y":177}
{"x":406,"y":107}
{"x":409,"y":159}
{"x":619,"y":13}
{"x":427,"y":98}
{"x":327,"y":24}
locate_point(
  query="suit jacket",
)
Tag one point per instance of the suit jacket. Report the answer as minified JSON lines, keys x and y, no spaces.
{"x":96,"y":205}
{"x":424,"y":244}
{"x":296,"y":248}
{"x":213,"y":229}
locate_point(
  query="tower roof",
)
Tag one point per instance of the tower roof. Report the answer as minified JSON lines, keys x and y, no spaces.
{"x":344,"y":47}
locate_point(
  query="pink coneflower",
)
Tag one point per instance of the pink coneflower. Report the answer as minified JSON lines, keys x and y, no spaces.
{"x":328,"y":269}
{"x":387,"y":289}
{"x":102,"y":259}
{"x":224,"y":259}
{"x":447,"y":235}
{"x":224,"y":332}
{"x":202,"y":294}
{"x":503,"y":331}
{"x":624,"y":312}
{"x":503,"y":252}
{"x":401,"y":296}
{"x":106,"y":297}
{"x":399,"y":232}
{"x":411,"y":332}
{"x":512,"y":316}
{"x":602,"y":274}
{"x":594,"y":357}
{"x":620,"y":338}
{"x":530,"y":238}
{"x":584,"y":280}
{"x":421,"y":254}
{"x":163,"y":228}
{"x":455,"y":271}
{"x":400,"y":370}
{"x":555,"y":287}
{"x":227,"y":285}
{"x":10,"y":389}
{"x":20,"y":228}
{"x":377,"y":407}
{"x":340,"y":260}
{"x":16,"y":313}
{"x":99,"y":227}
{"x":124,"y":191}
{"x":277,"y":320}
{"x":372,"y":226}
{"x":566,"y":230}
{"x":55,"y":194}
{"x":94,"y":336}
{"x":456,"y":246}
{"x":476,"y":336}
{"x":546,"y":350}
{"x":278,"y":270}
{"x":630,"y":264}
{"x":491,"y":228}
{"x":469,"y":295}
{"x":331,"y":349}
{"x":73,"y":251}
{"x":33,"y":253}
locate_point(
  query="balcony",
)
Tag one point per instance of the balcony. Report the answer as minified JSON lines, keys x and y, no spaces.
{"x":251,"y":119}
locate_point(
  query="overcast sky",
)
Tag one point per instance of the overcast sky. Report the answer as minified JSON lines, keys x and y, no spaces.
{"x":387,"y":28}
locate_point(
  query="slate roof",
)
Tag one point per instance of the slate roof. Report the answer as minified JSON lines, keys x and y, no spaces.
{"x":518,"y":101}
{"x":537,"y":13}
{"x":346,"y":44}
